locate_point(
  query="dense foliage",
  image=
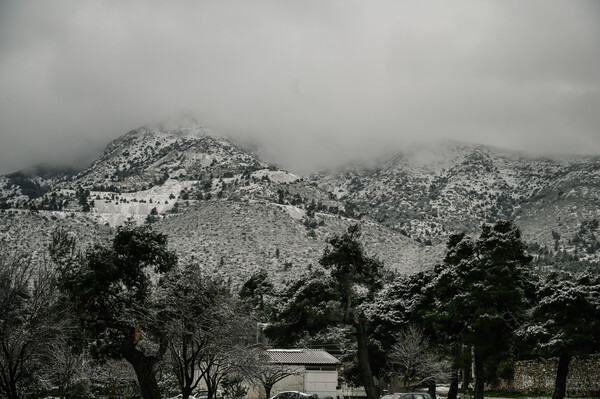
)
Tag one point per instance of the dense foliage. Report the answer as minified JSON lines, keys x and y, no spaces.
{"x":126,"y":317}
{"x":565,"y":321}
{"x":332,"y":297}
{"x":112,"y":292}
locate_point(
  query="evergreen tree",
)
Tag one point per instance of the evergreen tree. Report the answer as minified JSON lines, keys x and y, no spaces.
{"x":356,"y":278}
{"x":410,"y":301}
{"x":323,"y":301}
{"x":111,"y":289}
{"x":566,"y":321}
{"x":489,"y":289}
{"x":256,"y":290}
{"x":307,"y":305}
{"x":442,"y":323}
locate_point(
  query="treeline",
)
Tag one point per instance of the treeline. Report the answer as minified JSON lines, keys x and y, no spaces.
{"x":128,"y":319}
{"x":124,"y":319}
{"x":483,"y":306}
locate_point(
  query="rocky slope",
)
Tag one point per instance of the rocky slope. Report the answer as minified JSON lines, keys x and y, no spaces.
{"x":232,"y":213}
{"x":430,"y":191}
{"x":221,"y":206}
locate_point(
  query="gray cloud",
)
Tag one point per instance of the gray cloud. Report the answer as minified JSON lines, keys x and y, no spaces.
{"x":318,"y":82}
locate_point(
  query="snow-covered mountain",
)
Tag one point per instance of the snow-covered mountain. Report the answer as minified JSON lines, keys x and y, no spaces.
{"x":148,"y":156}
{"x":221,"y":206}
{"x":430,"y":191}
{"x":226,"y":209}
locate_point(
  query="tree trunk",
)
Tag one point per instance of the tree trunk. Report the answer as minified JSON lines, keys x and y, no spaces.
{"x":212,"y":381}
{"x":186,"y":392}
{"x":11,"y":390}
{"x":466,"y":371}
{"x":184,"y":366}
{"x":211,"y":388}
{"x":431,"y":388}
{"x":453,"y":391}
{"x":9,"y":376}
{"x":364,"y":362}
{"x":479,"y":375}
{"x":144,"y":366}
{"x":560,"y":385}
{"x":146,"y":375}
{"x":466,"y":377}
{"x":268,"y":391}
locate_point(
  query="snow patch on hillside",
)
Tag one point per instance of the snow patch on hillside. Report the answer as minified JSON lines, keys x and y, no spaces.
{"x":114,"y":208}
{"x":294,"y":212}
{"x":276,"y":176}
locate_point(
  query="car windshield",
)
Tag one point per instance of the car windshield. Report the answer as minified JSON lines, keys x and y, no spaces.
{"x":287,"y":395}
{"x":409,"y":396}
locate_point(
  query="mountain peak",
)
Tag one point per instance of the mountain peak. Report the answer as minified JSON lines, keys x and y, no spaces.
{"x":186,"y":126}
{"x":156,"y":151}
{"x":210,"y":195}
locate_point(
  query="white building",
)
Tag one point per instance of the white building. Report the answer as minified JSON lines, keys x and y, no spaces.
{"x":315,"y":371}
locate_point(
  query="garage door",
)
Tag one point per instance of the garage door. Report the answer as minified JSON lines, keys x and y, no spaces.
{"x":323,"y":383}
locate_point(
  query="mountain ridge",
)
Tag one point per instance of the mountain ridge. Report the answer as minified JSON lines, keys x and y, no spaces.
{"x":173,"y":176}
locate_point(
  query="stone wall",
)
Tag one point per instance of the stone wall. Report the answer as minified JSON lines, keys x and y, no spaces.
{"x":538,"y":376}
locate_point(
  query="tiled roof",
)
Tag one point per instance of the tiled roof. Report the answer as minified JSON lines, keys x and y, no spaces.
{"x":301,"y":356}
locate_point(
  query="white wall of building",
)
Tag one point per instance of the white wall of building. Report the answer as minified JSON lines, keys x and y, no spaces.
{"x":320,"y":382}
{"x":291,"y":382}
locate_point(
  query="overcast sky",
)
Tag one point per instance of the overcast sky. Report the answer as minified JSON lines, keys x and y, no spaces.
{"x":316,"y":80}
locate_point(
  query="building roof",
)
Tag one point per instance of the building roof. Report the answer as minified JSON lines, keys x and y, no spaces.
{"x":301,"y":356}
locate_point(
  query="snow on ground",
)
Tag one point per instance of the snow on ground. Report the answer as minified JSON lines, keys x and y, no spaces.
{"x":276,"y":176}
{"x":114,"y":208}
{"x":293,"y":211}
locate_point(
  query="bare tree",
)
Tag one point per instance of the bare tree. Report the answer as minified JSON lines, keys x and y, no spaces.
{"x":413,"y":357}
{"x":185,"y":349}
{"x":234,"y":386}
{"x":63,"y":368}
{"x":269,"y":373}
{"x":192,"y":307}
{"x":226,"y":356}
{"x":30,"y":319}
{"x":117,"y":377}
{"x":232,"y":350}
{"x":209,"y":333}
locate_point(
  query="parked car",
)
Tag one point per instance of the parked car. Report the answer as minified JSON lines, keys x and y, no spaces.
{"x":411,"y":395}
{"x":294,"y":395}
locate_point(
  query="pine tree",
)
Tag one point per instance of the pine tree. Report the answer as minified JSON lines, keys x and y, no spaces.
{"x":566,"y":321}
{"x":357,"y":278}
{"x":489,"y":290}
{"x":317,"y":303}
